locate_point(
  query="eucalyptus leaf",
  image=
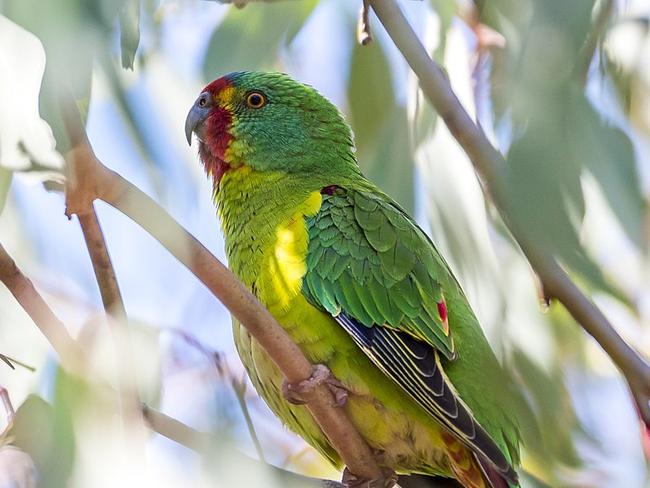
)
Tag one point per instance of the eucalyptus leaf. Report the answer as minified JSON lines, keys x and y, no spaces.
{"x":422,"y":116}
{"x":380,"y":124}
{"x":45,"y":432}
{"x":250,"y":38}
{"x":546,"y":198}
{"x":71,"y":31}
{"x":129,"y":32}
{"x":608,"y":154}
{"x":24,"y":136}
{"x":550,"y":399}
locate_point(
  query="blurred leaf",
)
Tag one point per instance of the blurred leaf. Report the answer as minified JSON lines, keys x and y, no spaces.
{"x":544,"y":178}
{"x":422,"y":116}
{"x":543,"y":45}
{"x":71,"y":32}
{"x":608,"y":154}
{"x":550,"y":401}
{"x":25,"y":138}
{"x":45,"y":432}
{"x":445,"y":9}
{"x":129,"y":32}
{"x":380,"y":124}
{"x":622,"y":80}
{"x":137,"y":126}
{"x":250,"y":38}
{"x":534,"y":86}
{"x":5,"y":183}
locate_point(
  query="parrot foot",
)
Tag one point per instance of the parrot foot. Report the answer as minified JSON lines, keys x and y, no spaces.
{"x":294,"y":392}
{"x":388,"y":480}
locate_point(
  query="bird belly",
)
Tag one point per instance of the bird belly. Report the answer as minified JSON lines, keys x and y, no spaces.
{"x":407,"y":439}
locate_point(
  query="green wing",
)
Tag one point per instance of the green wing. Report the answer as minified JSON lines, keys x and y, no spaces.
{"x":380,"y":277}
{"x":366,"y":257}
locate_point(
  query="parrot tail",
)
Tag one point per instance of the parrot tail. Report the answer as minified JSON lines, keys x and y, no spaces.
{"x":491,"y":475}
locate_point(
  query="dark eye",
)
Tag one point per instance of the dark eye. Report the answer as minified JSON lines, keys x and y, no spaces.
{"x":203,"y":100}
{"x":255,"y":100}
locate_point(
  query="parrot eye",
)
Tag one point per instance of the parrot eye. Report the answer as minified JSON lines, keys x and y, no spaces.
{"x":203,"y":100}
{"x":255,"y":99}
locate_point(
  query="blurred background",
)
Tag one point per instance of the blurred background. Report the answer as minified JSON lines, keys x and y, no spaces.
{"x":561,"y":88}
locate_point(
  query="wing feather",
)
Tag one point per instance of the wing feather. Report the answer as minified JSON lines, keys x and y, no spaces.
{"x":377,"y":274}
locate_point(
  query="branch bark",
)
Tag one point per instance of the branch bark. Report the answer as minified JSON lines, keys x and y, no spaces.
{"x":490,"y":164}
{"x":102,"y":267}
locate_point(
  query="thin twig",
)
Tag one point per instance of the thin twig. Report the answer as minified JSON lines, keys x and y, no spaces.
{"x":69,"y":352}
{"x":200,"y":442}
{"x":238,"y":384}
{"x":364,"y":36}
{"x":8,"y":406}
{"x":102,"y":266}
{"x":5,"y":360}
{"x":12,"y":362}
{"x":489,"y":163}
{"x":239,"y":387}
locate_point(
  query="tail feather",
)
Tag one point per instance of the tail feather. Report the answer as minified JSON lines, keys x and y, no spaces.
{"x":491,"y":475}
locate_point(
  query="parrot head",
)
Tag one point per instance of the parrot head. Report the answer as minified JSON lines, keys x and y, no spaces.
{"x":269,"y":122}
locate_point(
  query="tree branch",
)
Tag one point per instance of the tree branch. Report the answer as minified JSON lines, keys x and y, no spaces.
{"x":200,"y":442}
{"x":102,"y":266}
{"x":489,"y":164}
{"x":69,"y":352}
{"x":12,"y":363}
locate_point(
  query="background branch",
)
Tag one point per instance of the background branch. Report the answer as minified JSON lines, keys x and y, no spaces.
{"x":489,"y":164}
{"x":13,"y":362}
{"x":69,"y":352}
{"x":200,"y":441}
{"x":103,"y":269}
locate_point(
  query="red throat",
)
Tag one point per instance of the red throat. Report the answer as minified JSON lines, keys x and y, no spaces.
{"x":216,"y":136}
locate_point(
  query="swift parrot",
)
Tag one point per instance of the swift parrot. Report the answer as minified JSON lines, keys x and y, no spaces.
{"x":355,"y":283}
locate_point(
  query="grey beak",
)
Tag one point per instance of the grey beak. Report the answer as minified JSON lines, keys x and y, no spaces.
{"x":194,"y":118}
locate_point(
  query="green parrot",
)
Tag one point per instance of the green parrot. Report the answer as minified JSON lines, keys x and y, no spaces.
{"x":355,"y":283}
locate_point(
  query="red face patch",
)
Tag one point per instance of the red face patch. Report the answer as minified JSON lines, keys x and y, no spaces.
{"x":217,"y":85}
{"x":216,"y":134}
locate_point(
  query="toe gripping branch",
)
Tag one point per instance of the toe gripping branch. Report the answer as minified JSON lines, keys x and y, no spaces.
{"x":295,"y":392}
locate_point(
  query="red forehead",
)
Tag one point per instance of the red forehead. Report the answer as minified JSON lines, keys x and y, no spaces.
{"x":217,"y":85}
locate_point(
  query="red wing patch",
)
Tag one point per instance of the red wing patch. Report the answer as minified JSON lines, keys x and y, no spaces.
{"x":442,"y":312}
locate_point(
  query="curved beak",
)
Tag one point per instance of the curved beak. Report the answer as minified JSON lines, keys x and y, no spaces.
{"x":194,"y":120}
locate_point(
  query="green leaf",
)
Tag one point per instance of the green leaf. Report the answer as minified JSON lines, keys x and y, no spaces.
{"x":550,"y":400}
{"x":71,"y":32}
{"x":380,"y":124}
{"x":129,"y":32}
{"x":45,"y":432}
{"x":543,"y":46}
{"x":250,"y":38}
{"x":608,"y":154}
{"x":544,"y":169}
